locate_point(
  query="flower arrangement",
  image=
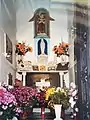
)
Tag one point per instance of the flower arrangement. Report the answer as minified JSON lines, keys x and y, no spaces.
{"x":8,"y":105}
{"x":22,"y":49}
{"x":26,"y":97}
{"x":59,"y":96}
{"x":62,"y":48}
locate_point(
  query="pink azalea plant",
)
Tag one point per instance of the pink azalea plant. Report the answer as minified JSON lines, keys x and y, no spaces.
{"x":8,"y":105}
{"x":26,"y":97}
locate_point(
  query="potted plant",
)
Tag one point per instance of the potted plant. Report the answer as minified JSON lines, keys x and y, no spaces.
{"x":26,"y":98}
{"x":8,"y":105}
{"x":58,"y":99}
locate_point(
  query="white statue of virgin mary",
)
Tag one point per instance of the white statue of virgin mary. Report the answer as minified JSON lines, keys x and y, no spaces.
{"x":42,"y":46}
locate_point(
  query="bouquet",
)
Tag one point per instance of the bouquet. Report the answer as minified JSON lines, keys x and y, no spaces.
{"x":26,"y":97}
{"x":59,"y":96}
{"x":8,"y":105}
{"x":61,"y":49}
{"x":22,"y":49}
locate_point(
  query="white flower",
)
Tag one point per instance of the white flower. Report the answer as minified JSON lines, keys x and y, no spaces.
{"x":10,"y":105}
{"x":58,"y":89}
{"x":74,"y":114}
{"x":76,"y":109}
{"x":14,"y":118}
{"x":71,"y":100}
{"x":4,"y":107}
{"x":72,"y":85}
{"x":74,"y":93}
{"x":1,"y":112}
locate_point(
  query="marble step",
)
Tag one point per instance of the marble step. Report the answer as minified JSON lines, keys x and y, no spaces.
{"x":38,"y":110}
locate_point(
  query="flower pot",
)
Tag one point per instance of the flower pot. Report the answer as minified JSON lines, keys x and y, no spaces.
{"x":58,"y":112}
{"x":19,"y":59}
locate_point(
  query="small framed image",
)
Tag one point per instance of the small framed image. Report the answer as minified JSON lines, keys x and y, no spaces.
{"x":35,"y":68}
{"x":42,"y":68}
{"x":8,"y":48}
{"x":53,"y":68}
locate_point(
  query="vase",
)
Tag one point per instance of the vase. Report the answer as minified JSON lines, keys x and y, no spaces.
{"x":58,"y":112}
{"x":19,"y":59}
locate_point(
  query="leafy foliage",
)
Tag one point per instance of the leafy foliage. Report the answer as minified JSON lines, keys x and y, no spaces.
{"x":59,"y":97}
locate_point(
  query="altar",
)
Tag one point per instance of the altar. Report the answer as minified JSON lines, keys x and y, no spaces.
{"x":52,"y":70}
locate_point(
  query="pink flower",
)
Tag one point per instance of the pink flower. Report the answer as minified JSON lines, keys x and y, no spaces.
{"x":24,"y":95}
{"x":18,"y":110}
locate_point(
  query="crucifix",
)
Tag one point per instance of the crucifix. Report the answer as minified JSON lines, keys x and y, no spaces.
{"x":43,"y":83}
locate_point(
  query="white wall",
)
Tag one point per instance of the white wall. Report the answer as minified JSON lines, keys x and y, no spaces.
{"x":8,"y":26}
{"x":25,"y":29}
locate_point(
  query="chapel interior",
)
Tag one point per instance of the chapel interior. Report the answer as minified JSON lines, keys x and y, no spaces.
{"x":45,"y":44}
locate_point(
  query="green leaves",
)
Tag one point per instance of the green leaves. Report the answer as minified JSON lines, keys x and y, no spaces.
{"x":60,"y":98}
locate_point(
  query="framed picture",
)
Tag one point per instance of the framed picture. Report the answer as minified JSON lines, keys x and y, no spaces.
{"x":9,"y":49}
{"x":35,"y":67}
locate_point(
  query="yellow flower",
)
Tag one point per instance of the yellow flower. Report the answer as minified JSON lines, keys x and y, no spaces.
{"x":49,"y":92}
